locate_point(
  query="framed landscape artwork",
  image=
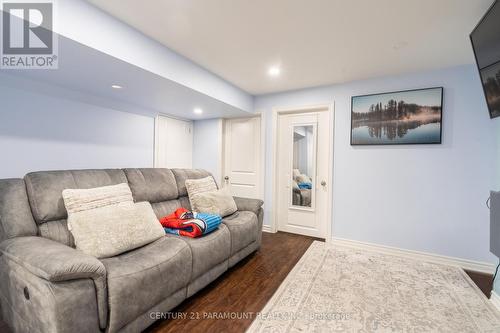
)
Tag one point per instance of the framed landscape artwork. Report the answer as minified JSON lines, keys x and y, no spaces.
{"x":403,"y":117}
{"x":491,"y":85}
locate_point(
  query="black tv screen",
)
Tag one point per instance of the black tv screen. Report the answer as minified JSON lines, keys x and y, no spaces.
{"x":486,"y":44}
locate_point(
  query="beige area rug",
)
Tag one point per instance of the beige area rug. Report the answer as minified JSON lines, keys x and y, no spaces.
{"x":341,"y":289}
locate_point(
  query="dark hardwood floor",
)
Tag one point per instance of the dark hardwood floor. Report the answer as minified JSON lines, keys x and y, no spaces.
{"x":483,"y":280}
{"x":242,"y":291}
{"x":245,"y":289}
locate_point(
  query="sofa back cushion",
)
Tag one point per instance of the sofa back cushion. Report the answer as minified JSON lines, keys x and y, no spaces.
{"x":165,"y":189}
{"x":15,"y":214}
{"x":57,"y":231}
{"x":41,"y":191}
{"x":153,"y":185}
{"x":45,"y":189}
{"x":157,"y":186}
{"x":165,"y":208}
{"x":184,"y":201}
{"x":181,"y":175}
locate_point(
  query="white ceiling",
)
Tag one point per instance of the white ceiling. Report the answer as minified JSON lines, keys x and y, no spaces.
{"x":86,"y":74}
{"x":315,"y":42}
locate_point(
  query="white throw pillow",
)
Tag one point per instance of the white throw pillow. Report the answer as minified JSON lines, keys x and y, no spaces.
{"x":303,"y":179}
{"x":84,"y":199}
{"x":111,"y":230}
{"x":218,"y":202}
{"x":105,"y":221}
{"x":201,"y":185}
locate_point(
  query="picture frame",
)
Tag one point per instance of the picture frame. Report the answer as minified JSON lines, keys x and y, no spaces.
{"x":405,"y":117}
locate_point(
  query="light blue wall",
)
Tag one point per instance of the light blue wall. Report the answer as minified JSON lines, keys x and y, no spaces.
{"x":38,"y":132}
{"x":423,"y":198}
{"x":207,"y":146}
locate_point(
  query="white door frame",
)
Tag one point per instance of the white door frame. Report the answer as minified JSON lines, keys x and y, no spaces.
{"x":262,"y":167}
{"x":293,"y":110}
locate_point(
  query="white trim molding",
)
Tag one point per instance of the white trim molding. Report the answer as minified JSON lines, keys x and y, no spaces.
{"x":267,"y":228}
{"x":476,"y":266}
{"x":495,"y":300}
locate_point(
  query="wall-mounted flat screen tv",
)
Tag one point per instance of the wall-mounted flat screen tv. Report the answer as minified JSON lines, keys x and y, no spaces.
{"x":486,"y":44}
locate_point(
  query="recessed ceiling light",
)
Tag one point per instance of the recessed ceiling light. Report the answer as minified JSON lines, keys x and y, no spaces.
{"x":198,"y":111}
{"x":274,"y":71}
{"x":115,"y":86}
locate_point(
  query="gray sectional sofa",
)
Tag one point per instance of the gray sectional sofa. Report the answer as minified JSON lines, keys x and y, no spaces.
{"x":46,"y":285}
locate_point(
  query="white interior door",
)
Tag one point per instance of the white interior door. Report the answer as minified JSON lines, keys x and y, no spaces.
{"x":303,"y":172}
{"x":173,"y":143}
{"x":242,"y":157}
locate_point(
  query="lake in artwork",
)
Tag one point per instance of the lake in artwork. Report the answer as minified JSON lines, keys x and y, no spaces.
{"x":406,"y":117}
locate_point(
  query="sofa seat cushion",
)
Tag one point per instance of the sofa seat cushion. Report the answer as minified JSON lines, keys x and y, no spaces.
{"x":209,"y":250}
{"x":142,"y":278}
{"x":243,"y":228}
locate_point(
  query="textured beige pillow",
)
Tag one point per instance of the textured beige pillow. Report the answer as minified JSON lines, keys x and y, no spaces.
{"x":201,"y":185}
{"x":108,"y":231}
{"x":303,"y":179}
{"x":218,"y":202}
{"x":104,"y":221}
{"x":84,"y":199}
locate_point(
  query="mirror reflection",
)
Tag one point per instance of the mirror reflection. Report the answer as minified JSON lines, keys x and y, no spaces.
{"x":303,"y":165}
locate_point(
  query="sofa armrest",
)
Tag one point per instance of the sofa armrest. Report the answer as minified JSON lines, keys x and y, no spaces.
{"x":50,"y":260}
{"x":252,"y":205}
{"x":56,"y":262}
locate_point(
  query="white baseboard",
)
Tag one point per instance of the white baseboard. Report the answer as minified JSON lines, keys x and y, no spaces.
{"x":430,"y":257}
{"x":495,"y":299}
{"x":267,"y":228}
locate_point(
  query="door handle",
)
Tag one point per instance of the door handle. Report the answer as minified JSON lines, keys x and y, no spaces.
{"x":323,"y":183}
{"x":226,"y":178}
